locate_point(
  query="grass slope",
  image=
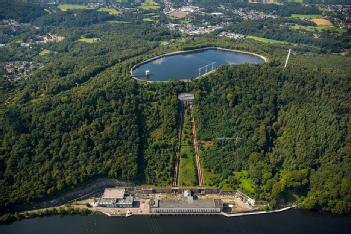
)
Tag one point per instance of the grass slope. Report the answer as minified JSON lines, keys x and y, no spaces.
{"x":111,"y":11}
{"x":302,"y":16}
{"x":66,"y":7}
{"x":266,"y":40}
{"x":187,"y":171}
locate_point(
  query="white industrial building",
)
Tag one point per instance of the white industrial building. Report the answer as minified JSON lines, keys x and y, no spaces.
{"x":115,"y":197}
{"x":186,"y":205}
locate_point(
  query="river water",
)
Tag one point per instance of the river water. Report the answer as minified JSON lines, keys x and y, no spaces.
{"x":292,"y":221}
{"x":186,"y":66}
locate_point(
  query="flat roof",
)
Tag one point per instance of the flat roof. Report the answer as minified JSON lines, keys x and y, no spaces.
{"x":127,"y":200}
{"x":117,"y":193}
{"x":186,"y":96}
{"x":183,"y":203}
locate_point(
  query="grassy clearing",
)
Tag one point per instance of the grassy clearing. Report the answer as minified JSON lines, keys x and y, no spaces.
{"x":164,"y":43}
{"x":246,"y":185}
{"x":66,"y":7}
{"x":187,"y":171}
{"x":301,"y":16}
{"x":148,"y":20}
{"x":318,"y":28}
{"x":111,"y":11}
{"x":185,"y":21}
{"x":149,"y":5}
{"x":297,"y":1}
{"x":266,"y":40}
{"x":307,"y":28}
{"x":187,"y":168}
{"x":117,"y":22}
{"x":44,"y":52}
{"x":89,"y":40}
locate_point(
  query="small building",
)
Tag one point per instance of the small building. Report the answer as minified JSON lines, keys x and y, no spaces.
{"x":115,"y":197}
{"x":186,"y":98}
{"x":216,"y":14}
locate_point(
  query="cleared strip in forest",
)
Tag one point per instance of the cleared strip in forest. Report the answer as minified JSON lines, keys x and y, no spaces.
{"x":180,"y":132}
{"x":200,"y":174}
{"x":199,"y":171}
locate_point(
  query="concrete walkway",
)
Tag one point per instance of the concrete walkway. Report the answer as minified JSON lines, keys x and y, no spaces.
{"x":258,"y":212}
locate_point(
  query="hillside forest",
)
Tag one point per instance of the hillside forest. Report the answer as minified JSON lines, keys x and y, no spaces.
{"x":81,"y":116}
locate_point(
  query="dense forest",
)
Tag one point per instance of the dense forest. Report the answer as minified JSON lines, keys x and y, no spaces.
{"x":81,"y":116}
{"x":21,"y":11}
{"x":290,"y":130}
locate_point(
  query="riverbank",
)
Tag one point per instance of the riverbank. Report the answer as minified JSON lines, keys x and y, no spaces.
{"x":79,"y":210}
{"x":288,"y":222}
{"x":235,"y":205}
{"x":184,"y":52}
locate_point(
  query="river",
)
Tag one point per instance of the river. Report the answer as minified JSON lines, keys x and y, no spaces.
{"x":188,"y":65}
{"x":292,"y":221}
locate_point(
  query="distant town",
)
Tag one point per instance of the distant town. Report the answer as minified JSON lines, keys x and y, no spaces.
{"x":188,"y":20}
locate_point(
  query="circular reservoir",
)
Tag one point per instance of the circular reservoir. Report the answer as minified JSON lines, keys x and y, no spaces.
{"x":186,"y":65}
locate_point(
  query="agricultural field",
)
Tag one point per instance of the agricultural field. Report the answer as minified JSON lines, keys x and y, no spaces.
{"x":266,"y":40}
{"x":111,"y":11}
{"x":178,"y":14}
{"x":148,"y":20}
{"x":89,"y":40}
{"x":318,"y":28}
{"x":322,"y":22}
{"x":149,"y":5}
{"x":66,"y":7}
{"x":301,"y":16}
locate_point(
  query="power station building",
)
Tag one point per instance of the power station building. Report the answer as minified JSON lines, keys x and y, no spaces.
{"x":115,"y":197}
{"x":187,"y":204}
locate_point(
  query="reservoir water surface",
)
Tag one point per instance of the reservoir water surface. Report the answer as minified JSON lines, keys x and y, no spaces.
{"x":289,"y":222}
{"x":191,"y":64}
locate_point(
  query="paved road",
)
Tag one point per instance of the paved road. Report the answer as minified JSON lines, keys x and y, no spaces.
{"x":95,"y":187}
